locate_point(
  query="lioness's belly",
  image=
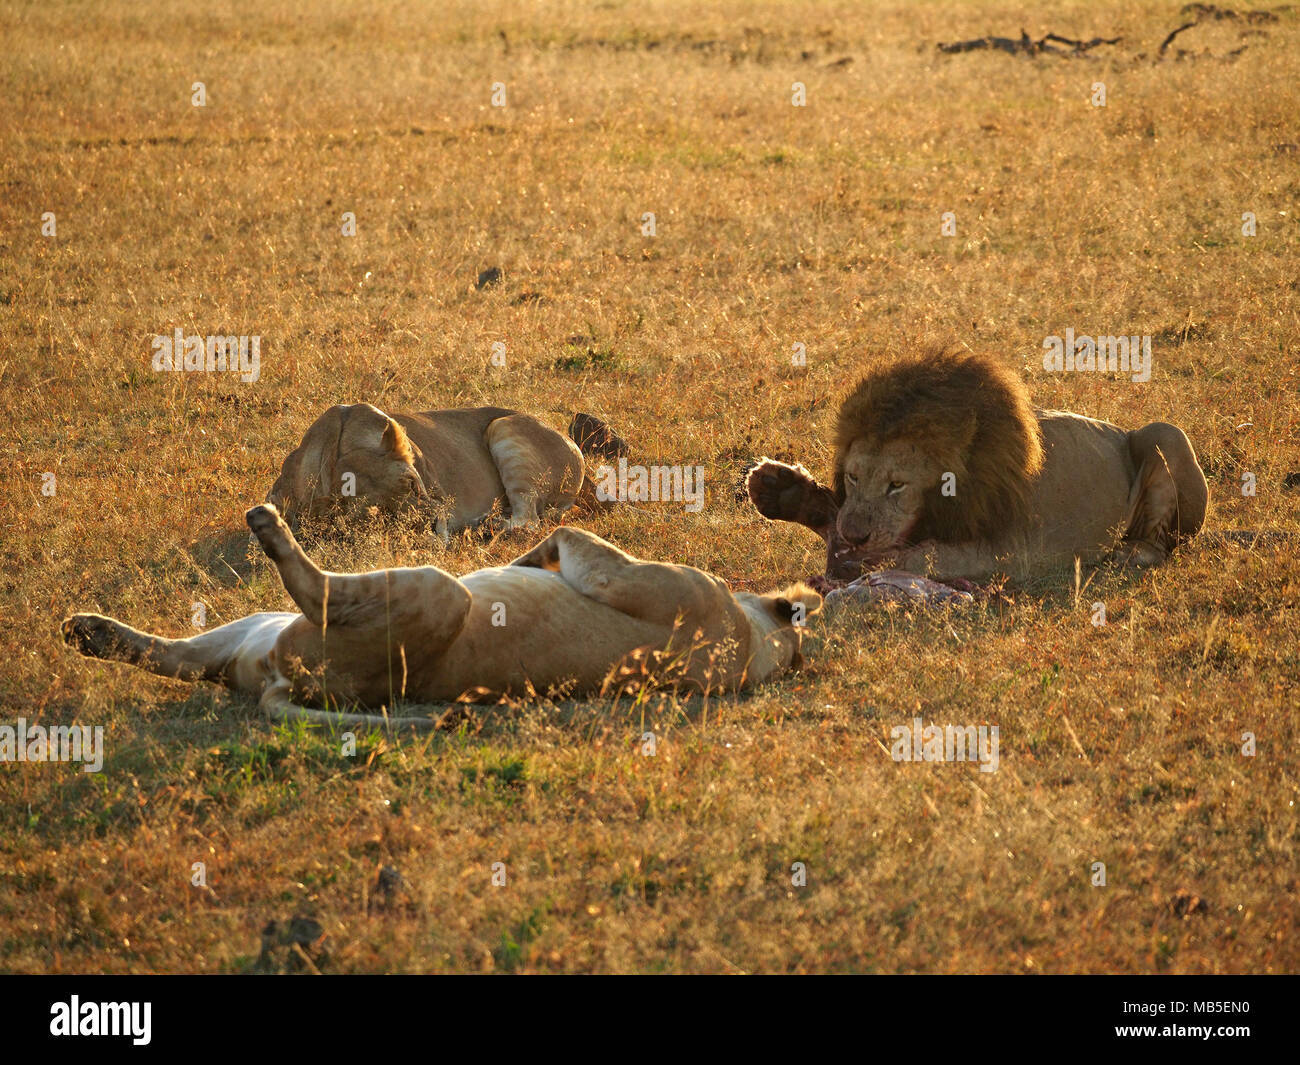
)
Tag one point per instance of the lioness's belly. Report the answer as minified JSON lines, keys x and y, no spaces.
{"x":1081,"y":497}
{"x":528,"y":626}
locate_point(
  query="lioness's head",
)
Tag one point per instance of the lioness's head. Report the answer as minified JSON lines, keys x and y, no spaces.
{"x":940,"y":446}
{"x":351,"y":452}
{"x":778,"y":619}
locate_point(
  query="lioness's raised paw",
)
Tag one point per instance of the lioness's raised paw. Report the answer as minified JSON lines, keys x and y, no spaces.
{"x":545,"y":555}
{"x":271,"y":531}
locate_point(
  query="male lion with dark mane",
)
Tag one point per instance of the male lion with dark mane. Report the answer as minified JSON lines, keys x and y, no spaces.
{"x":943,"y":466}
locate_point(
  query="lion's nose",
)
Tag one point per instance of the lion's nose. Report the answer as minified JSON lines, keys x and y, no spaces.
{"x":850,"y":532}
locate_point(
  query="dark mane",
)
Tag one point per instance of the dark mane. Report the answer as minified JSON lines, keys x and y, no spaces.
{"x":973,"y":416}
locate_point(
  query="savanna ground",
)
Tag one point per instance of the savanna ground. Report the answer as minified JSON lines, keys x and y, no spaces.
{"x":775,"y":225}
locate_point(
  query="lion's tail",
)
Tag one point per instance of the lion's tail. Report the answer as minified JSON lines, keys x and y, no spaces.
{"x":598,"y":443}
{"x":279,"y":706}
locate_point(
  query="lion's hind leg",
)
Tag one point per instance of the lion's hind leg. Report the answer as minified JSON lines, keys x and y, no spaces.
{"x":1169,"y":496}
{"x":650,"y":591}
{"x":539,"y":468}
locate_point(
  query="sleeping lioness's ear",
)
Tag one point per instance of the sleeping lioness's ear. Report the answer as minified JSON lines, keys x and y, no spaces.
{"x":395,"y":441}
{"x":369,"y":427}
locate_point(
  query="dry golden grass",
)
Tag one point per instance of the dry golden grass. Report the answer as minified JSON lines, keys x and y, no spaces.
{"x":776,"y":225}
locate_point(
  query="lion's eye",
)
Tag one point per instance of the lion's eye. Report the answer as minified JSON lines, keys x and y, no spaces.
{"x":850,"y":479}
{"x":895,"y":487}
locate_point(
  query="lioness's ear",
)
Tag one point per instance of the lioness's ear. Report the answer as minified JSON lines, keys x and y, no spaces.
{"x":794,"y":605}
{"x":365,"y":425}
{"x":394,"y":437}
{"x":395,"y":442}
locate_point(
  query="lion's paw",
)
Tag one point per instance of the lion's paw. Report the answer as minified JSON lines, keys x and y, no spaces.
{"x":778,"y":490}
{"x":93,"y":635}
{"x":269,"y":528}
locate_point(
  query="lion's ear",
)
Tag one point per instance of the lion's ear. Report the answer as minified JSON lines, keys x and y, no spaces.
{"x":395,"y":440}
{"x":944,"y":432}
{"x":794,"y":605}
{"x":963,"y":430}
{"x":945,"y":437}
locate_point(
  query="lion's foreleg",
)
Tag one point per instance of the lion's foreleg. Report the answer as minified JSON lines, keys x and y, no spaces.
{"x":214,"y":655}
{"x":782,"y":492}
{"x":973,"y":559}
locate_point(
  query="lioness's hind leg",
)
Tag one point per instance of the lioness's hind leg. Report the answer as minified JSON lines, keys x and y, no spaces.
{"x":652,"y":591}
{"x":96,"y":636}
{"x":304,"y":582}
{"x":422,"y":603}
{"x":211,"y":655}
{"x":539,"y":467}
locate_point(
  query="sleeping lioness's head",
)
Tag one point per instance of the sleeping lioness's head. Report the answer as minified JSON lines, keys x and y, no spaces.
{"x":940,"y":446}
{"x":351,"y":452}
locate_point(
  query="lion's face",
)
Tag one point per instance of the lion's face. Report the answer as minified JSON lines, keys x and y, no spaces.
{"x":779,"y":620}
{"x":350,"y":454}
{"x":380,"y":461}
{"x":885,"y":490}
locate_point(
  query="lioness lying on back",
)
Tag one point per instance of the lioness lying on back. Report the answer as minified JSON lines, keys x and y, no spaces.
{"x":566,"y":614}
{"x":942,"y":465}
{"x":459,"y":465}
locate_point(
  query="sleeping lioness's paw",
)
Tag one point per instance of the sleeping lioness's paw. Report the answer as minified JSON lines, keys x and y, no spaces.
{"x":780,"y":491}
{"x":1139,"y":554}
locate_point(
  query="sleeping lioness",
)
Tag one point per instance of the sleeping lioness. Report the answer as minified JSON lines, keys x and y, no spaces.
{"x":564,"y":615}
{"x":943,"y":466}
{"x":459,"y":466}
